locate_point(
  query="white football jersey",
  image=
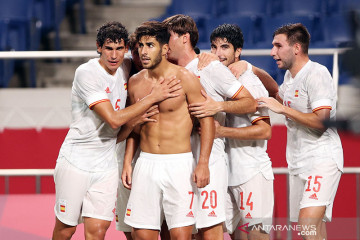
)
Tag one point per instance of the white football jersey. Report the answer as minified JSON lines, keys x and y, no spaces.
{"x":312,"y":89}
{"x":247,"y":158}
{"x":219,"y":83}
{"x":90,"y":142}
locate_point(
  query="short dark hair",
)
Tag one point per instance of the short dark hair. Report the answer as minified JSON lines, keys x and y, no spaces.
{"x":182,"y":24}
{"x":296,"y":33}
{"x":155,"y":29}
{"x":132,"y":41}
{"x":231,"y":32}
{"x":114,"y":31}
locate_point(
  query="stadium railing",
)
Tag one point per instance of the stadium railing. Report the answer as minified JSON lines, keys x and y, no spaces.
{"x":246,"y":52}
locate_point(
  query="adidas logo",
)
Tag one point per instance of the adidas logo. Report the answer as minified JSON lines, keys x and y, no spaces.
{"x":248,"y":215}
{"x":314,"y":197}
{"x":212,"y":214}
{"x":190,"y":214}
{"x":107,"y":90}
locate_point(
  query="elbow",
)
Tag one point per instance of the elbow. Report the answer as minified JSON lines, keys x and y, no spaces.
{"x":267,"y":135}
{"x":114,"y":124}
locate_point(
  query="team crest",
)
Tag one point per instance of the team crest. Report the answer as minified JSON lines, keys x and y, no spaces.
{"x":296,"y":93}
{"x":62,"y":205}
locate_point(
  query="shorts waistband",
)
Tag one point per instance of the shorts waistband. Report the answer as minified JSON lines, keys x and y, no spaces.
{"x":164,"y":157}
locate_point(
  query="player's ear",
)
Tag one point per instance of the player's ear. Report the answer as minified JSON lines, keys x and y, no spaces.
{"x":165,"y":49}
{"x":238,"y":53}
{"x":98,"y":48}
{"x":186,"y":37}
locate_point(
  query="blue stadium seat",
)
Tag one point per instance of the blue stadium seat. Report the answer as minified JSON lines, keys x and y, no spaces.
{"x":341,"y":7}
{"x":6,"y":65}
{"x":247,"y":8}
{"x":304,"y":7}
{"x":266,"y":63}
{"x":193,"y":7}
{"x":337,"y":31}
{"x":270,"y":24}
{"x":246,"y":23}
{"x":23,"y":30}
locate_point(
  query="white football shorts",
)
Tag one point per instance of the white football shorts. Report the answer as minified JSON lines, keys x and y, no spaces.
{"x":84,"y":194}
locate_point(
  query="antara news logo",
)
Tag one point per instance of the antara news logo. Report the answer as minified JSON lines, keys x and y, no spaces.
{"x":302,"y":230}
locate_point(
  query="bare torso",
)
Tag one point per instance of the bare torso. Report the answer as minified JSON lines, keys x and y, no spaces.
{"x":171,"y":133}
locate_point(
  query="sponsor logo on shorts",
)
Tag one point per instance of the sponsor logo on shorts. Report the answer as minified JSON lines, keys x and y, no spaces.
{"x":314,"y":197}
{"x":248,"y":215}
{"x":62,"y":206}
{"x":190,"y":214}
{"x":244,"y":227}
{"x":212,"y":214}
{"x":128,"y":212}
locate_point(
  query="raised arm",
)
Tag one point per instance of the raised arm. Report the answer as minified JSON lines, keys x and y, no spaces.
{"x":163,"y":89}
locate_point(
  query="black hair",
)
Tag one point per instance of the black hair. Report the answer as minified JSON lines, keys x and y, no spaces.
{"x":155,"y":29}
{"x":231,"y":32}
{"x":114,"y":31}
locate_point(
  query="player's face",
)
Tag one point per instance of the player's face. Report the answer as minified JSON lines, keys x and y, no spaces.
{"x":136,"y":58}
{"x":150,"y":52}
{"x":175,"y":47}
{"x":224,"y":50}
{"x":112,"y":55}
{"x":282,"y":52}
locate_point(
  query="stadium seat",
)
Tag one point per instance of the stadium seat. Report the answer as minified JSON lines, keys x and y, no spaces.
{"x":23,"y":30}
{"x":247,"y":8}
{"x":246,"y":23}
{"x":269,"y":24}
{"x":6,"y":65}
{"x":264,"y":62}
{"x":193,"y":7}
{"x":337,"y":31}
{"x":304,"y":7}
{"x":341,"y":7}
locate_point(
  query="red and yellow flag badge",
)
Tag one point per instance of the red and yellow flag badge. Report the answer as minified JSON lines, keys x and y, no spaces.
{"x":296,"y":93}
{"x":125,"y":86}
{"x":62,"y":208}
{"x":117,"y":218}
{"x":128,"y":212}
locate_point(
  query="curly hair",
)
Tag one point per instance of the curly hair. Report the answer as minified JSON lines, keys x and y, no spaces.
{"x":114,"y":31}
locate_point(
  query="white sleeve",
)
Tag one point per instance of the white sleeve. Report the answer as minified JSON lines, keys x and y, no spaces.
{"x":320,"y":87}
{"x":224,"y":81}
{"x":88,"y":88}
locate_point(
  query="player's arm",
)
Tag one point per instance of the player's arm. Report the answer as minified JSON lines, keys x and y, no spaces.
{"x":312,"y":120}
{"x":269,"y":83}
{"x":192,"y":88}
{"x":205,"y":58}
{"x":132,"y":143}
{"x":163,"y":89}
{"x":242,"y":103}
{"x":259,"y":130}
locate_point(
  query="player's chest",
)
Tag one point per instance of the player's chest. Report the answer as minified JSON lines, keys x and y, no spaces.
{"x":296,"y":97}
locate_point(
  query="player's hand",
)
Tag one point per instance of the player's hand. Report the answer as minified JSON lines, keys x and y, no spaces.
{"x":271,"y":103}
{"x":205,"y":58}
{"x":146,"y":117}
{"x":201,"y":175}
{"x":166,"y":88}
{"x":238,"y":68}
{"x":126,"y":176}
{"x":204,"y":109}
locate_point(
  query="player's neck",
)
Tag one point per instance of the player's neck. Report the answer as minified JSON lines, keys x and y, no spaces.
{"x":160,"y":70}
{"x":187,"y":57}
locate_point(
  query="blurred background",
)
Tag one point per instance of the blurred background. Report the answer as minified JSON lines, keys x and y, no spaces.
{"x":60,"y":35}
